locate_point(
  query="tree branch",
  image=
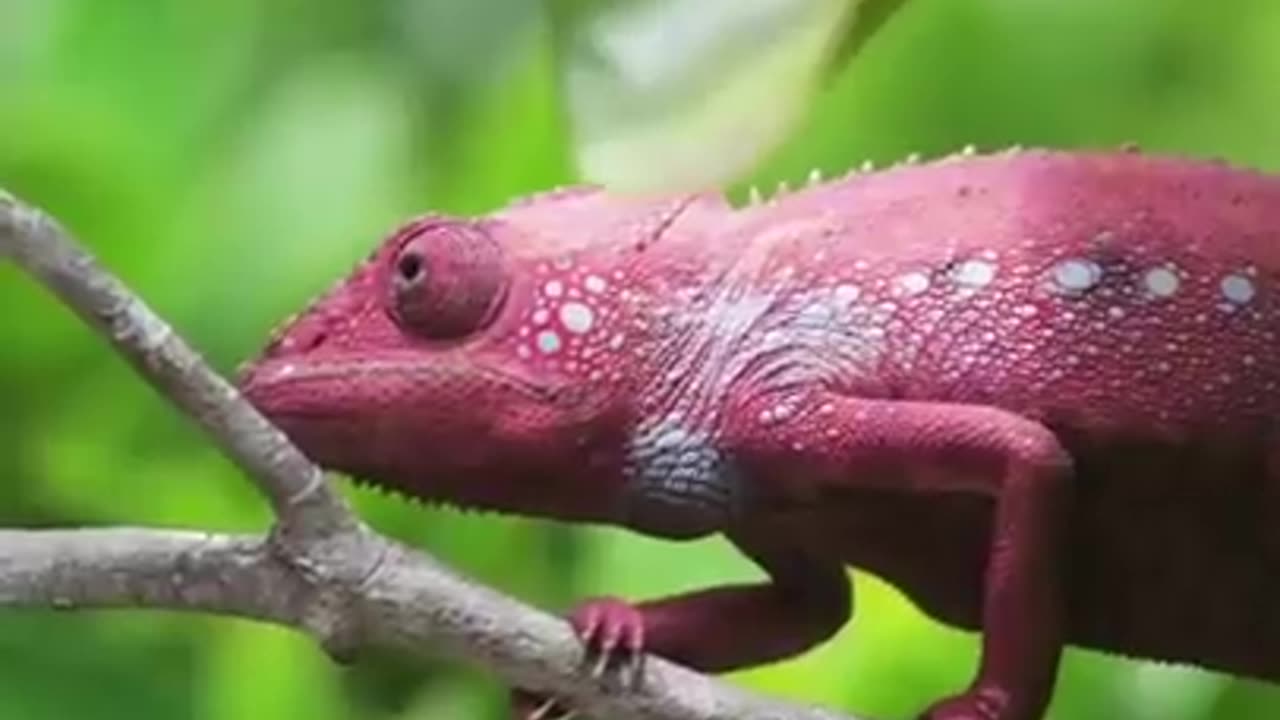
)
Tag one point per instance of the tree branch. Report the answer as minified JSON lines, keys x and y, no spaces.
{"x":135,"y":567}
{"x":320,"y":570}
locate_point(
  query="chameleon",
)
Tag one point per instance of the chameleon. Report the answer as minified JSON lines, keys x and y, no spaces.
{"x":1034,"y":389}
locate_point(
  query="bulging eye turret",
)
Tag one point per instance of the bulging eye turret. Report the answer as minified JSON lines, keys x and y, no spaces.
{"x":446,"y":280}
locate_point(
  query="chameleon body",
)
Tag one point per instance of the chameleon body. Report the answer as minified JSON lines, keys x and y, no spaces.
{"x":1035,"y":390}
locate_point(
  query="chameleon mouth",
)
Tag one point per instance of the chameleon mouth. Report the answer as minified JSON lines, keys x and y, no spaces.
{"x":310,"y":387}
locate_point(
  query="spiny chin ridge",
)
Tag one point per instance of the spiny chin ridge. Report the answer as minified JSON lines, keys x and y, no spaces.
{"x":420,"y":500}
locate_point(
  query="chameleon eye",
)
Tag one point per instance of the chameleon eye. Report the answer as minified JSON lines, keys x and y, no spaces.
{"x":447,"y":281}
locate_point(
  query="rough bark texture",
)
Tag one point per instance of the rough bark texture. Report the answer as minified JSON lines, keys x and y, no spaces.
{"x":320,"y":569}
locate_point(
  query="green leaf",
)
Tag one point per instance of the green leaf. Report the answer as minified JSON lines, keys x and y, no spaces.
{"x":676,"y":94}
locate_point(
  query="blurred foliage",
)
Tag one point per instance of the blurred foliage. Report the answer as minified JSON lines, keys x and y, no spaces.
{"x":231,"y":158}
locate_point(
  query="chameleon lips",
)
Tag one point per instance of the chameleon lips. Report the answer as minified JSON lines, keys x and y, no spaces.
{"x":350,"y":415}
{"x":393,"y":420}
{"x":339,"y":385}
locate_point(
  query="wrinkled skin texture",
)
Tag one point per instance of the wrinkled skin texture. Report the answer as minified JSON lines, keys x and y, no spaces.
{"x":1035,"y":390}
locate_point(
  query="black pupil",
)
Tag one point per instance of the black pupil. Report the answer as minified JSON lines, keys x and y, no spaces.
{"x":409,"y":266}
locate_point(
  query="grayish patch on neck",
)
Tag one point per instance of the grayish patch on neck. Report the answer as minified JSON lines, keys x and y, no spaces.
{"x":680,"y":484}
{"x":744,"y":331}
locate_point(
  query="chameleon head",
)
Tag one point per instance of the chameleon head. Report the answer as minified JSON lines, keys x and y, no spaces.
{"x":404,"y":375}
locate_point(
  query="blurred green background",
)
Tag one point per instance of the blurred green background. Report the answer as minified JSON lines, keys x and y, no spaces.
{"x":231,"y":158}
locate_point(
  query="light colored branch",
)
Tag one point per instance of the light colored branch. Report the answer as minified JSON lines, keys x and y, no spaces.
{"x":135,"y":567}
{"x":321,"y":570}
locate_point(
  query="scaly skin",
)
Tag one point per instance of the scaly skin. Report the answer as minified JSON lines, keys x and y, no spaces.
{"x":1034,"y":390}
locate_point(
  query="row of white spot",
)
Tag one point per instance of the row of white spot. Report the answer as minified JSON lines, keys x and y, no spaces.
{"x":1076,"y":275}
{"x":970,"y":274}
{"x":576,"y":316}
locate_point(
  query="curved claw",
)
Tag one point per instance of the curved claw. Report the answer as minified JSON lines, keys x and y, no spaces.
{"x":523,"y":708}
{"x":612,"y":632}
{"x":543,"y":711}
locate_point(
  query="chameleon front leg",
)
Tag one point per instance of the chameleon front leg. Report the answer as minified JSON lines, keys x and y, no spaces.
{"x":949,"y":448}
{"x":806,"y":600}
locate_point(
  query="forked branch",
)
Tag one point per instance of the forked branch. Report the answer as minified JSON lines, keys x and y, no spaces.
{"x":320,"y":570}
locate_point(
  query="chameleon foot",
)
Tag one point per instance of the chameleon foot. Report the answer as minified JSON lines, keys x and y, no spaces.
{"x":987,"y":703}
{"x":612,"y":634}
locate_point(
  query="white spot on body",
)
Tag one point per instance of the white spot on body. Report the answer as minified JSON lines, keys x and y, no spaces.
{"x":576,"y":317}
{"x":845,"y":294}
{"x":541,"y":316}
{"x":1076,"y":275}
{"x":594,"y":284}
{"x":973,"y":273}
{"x":913,"y":283}
{"x":553,"y":289}
{"x":615,"y":342}
{"x":1237,"y":289}
{"x":548,"y":342}
{"x":1161,"y":282}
